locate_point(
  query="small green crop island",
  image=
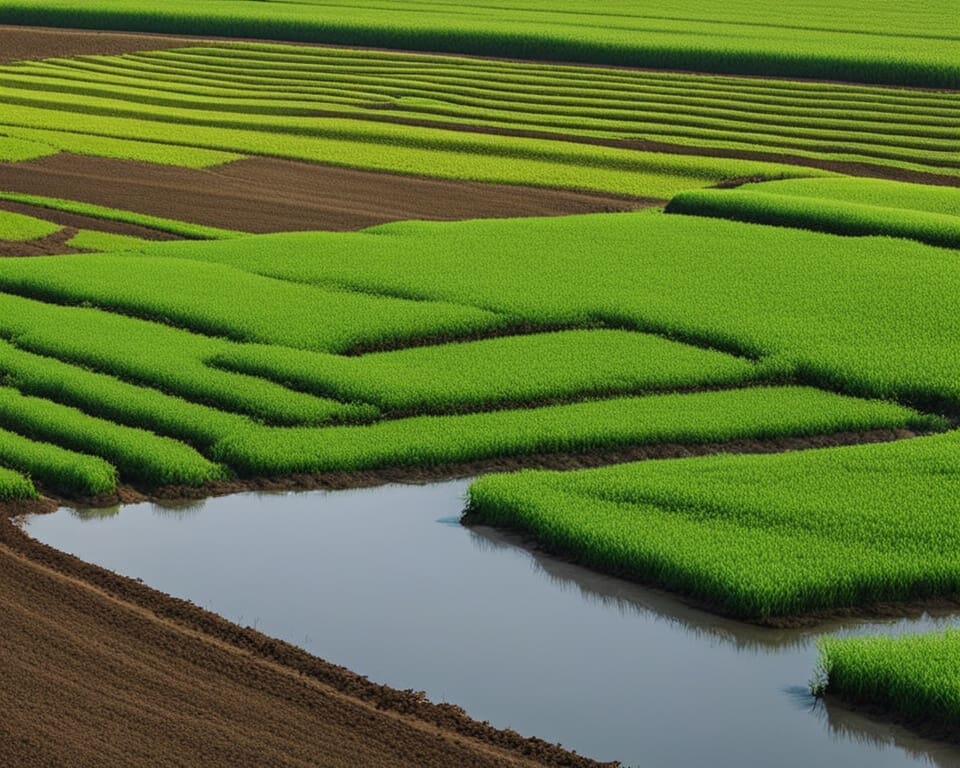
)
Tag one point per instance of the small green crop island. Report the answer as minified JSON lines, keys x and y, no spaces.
{"x":751,"y":321}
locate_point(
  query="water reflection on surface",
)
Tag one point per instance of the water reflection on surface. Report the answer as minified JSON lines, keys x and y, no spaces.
{"x":385,"y":581}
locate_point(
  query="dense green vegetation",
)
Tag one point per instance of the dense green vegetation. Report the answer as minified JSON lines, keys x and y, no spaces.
{"x":16,"y":226}
{"x":913,"y":676}
{"x":92,"y":240}
{"x":864,"y":41}
{"x":756,"y":536}
{"x":14,"y":150}
{"x":874,"y":320}
{"x":308,"y":91}
{"x":138,"y":455}
{"x":15,"y":487}
{"x":59,"y":470}
{"x":380,"y":146}
{"x":604,"y":425}
{"x":516,"y":369}
{"x":841,"y":206}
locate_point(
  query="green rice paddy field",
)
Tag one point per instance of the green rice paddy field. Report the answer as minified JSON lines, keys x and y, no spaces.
{"x":810,"y":300}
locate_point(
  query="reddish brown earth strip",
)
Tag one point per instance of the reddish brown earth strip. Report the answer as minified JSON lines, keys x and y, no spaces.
{"x":20,"y":43}
{"x":101,"y":670}
{"x":271,"y":195}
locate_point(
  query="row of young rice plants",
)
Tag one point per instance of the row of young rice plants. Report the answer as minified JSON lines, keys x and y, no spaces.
{"x":82,"y":85}
{"x":156,"y":151}
{"x":15,"y":487}
{"x":603,"y":425}
{"x":235,"y":80}
{"x":729,"y":38}
{"x":73,"y":474}
{"x":168,"y":359}
{"x":910,"y":676}
{"x":927,"y":214}
{"x":755,"y":536}
{"x":379,"y":146}
{"x":219,"y":300}
{"x":877,"y":320}
{"x":110,"y":398}
{"x":171,"y":226}
{"x":21,"y":228}
{"x":231,"y":79}
{"x":16,"y":150}
{"x":139,"y":455}
{"x":526,"y":369}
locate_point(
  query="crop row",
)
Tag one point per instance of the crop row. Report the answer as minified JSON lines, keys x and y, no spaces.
{"x":604,"y":425}
{"x":837,"y":206}
{"x":17,"y":227}
{"x":15,"y":487}
{"x":15,"y":150}
{"x":792,"y":42}
{"x":186,"y":73}
{"x":138,"y":455}
{"x":222,"y":98}
{"x":168,"y":359}
{"x":441,"y":154}
{"x":495,"y":372}
{"x":875,"y":320}
{"x":59,"y":470}
{"x":912,"y":676}
{"x":756,"y":536}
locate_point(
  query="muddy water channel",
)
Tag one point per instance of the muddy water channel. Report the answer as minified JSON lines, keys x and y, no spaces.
{"x":388,"y":583}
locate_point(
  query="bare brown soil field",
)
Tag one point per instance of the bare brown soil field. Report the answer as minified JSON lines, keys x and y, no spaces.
{"x":271,"y":195}
{"x":101,"y":670}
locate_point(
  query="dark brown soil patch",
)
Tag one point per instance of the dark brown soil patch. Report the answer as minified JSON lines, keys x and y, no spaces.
{"x":102,"y":670}
{"x":271,"y":195}
{"x":20,"y":43}
{"x":51,"y":245}
{"x":77,"y":221}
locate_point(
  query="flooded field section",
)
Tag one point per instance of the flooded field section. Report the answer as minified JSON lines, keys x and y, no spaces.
{"x":388,"y":583}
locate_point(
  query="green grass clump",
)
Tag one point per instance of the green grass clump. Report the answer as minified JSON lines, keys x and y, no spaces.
{"x":183,"y":229}
{"x":80,"y":143}
{"x":140,"y":456}
{"x":870,"y":317}
{"x":17,"y":150}
{"x":493,"y":372}
{"x":605,"y":425}
{"x":157,"y":356}
{"x":279,"y":84}
{"x":747,"y":38}
{"x":219,"y":300}
{"x":115,"y":400}
{"x":20,"y":228}
{"x":756,"y":536}
{"x":15,"y":487}
{"x":911,"y":676}
{"x":59,"y":470}
{"x":839,"y":206}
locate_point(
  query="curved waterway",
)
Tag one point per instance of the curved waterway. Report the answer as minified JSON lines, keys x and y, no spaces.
{"x":386,"y":581}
